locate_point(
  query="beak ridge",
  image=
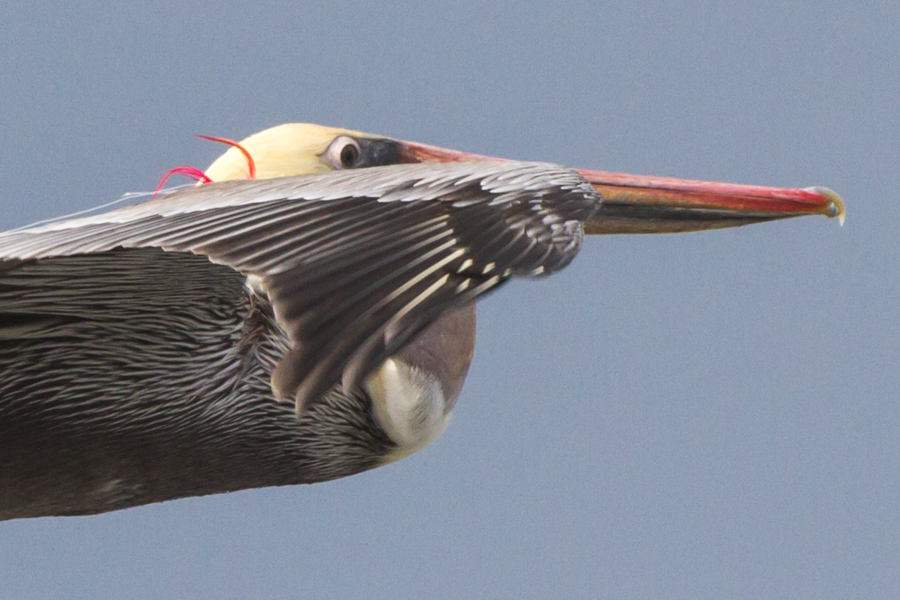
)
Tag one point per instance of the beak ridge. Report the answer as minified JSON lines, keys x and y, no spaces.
{"x":646,"y":204}
{"x":642,"y":204}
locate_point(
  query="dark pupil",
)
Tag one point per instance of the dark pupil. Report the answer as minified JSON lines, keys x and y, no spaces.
{"x":349,"y":155}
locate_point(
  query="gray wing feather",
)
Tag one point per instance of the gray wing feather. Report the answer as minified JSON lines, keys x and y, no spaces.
{"x":354,"y":262}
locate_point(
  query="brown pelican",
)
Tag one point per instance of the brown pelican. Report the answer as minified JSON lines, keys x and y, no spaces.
{"x":146,"y":353}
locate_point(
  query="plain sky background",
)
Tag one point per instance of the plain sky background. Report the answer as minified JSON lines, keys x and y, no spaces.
{"x":712,"y":415}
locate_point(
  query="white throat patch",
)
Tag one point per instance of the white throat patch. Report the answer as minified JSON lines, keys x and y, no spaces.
{"x":409,"y":405}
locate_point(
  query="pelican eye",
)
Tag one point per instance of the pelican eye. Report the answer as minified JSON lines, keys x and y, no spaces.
{"x":343,"y":153}
{"x":349,"y":155}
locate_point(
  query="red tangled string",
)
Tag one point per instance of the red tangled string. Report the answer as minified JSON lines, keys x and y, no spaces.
{"x":198,"y":175}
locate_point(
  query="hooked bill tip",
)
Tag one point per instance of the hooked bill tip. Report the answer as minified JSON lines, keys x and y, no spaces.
{"x":835,"y":207}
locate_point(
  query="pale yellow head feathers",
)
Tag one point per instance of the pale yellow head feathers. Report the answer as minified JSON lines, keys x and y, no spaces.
{"x":280,"y":151}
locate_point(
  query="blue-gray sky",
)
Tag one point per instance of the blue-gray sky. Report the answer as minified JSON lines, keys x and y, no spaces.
{"x":711,"y":415}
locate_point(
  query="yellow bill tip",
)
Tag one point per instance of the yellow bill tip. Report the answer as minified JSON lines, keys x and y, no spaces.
{"x":835,"y":207}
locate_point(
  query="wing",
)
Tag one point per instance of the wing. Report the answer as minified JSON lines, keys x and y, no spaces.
{"x":355,"y":263}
